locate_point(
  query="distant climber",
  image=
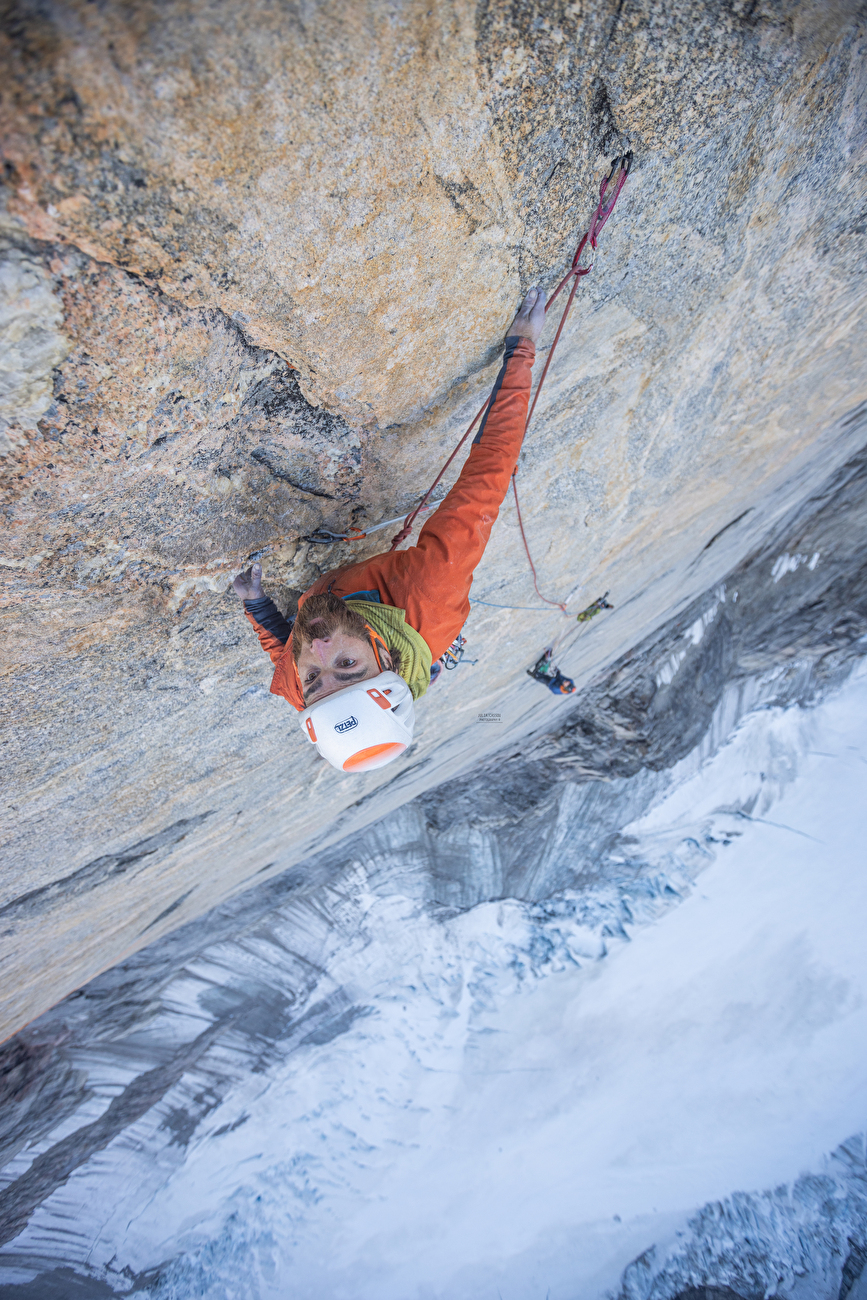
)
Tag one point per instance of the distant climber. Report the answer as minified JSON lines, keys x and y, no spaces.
{"x":361,"y":648}
{"x":546,"y":671}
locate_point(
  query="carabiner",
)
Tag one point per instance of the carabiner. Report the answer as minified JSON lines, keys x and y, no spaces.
{"x":624,"y":162}
{"x":606,"y":203}
{"x":322,"y":537}
{"x":451,"y":658}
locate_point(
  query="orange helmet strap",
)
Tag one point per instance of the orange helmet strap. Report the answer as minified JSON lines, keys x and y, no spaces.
{"x":377,"y":643}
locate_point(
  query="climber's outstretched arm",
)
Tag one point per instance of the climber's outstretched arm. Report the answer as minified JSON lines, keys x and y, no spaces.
{"x":453,"y":540}
{"x":458,"y":531}
{"x":431,"y":581}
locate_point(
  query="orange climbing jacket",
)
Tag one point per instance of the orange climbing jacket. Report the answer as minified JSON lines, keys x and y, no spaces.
{"x":431,"y":581}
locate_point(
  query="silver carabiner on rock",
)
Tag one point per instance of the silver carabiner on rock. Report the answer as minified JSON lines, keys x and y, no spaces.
{"x":323,"y":537}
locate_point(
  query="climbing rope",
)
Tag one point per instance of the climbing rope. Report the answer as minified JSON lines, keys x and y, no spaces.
{"x":411,"y":517}
{"x":585,"y":616}
{"x":604,"y":208}
{"x":532,"y":609}
{"x":559,"y":604}
{"x":609,"y":193}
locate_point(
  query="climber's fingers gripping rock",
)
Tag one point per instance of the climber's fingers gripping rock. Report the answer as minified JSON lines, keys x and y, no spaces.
{"x":248,"y":584}
{"x":530,"y":320}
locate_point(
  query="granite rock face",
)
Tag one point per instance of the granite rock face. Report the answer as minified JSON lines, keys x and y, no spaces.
{"x":257,"y":263}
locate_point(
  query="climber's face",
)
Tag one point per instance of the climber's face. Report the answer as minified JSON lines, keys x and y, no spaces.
{"x":333,"y":661}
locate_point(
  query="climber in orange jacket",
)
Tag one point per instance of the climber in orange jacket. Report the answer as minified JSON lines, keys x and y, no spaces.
{"x":390,"y":618}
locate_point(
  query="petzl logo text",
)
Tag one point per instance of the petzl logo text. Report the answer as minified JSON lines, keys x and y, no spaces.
{"x":346,"y":725}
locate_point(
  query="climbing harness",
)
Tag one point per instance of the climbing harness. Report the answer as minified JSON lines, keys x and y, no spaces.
{"x":609,"y":193}
{"x":597,"y":607}
{"x":544,"y":670}
{"x":455,"y":653}
{"x":451,"y":658}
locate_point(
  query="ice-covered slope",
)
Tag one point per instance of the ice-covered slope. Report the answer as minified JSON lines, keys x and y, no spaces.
{"x":258,"y":260}
{"x":364,"y":1094}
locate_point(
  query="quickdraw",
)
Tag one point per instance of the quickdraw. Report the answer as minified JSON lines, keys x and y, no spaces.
{"x":451,"y":658}
{"x":324,"y":536}
{"x":455,"y":653}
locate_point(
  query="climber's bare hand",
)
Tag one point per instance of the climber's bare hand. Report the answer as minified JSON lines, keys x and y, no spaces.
{"x":530,"y":320}
{"x":248,"y":584}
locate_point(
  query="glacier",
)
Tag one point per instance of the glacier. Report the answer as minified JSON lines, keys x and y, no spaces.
{"x":625,"y":1091}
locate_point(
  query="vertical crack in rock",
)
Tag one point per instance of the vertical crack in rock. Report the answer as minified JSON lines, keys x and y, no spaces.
{"x":604,"y":130}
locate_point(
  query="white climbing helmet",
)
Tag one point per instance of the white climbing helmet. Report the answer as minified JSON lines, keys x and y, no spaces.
{"x":362,"y":726}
